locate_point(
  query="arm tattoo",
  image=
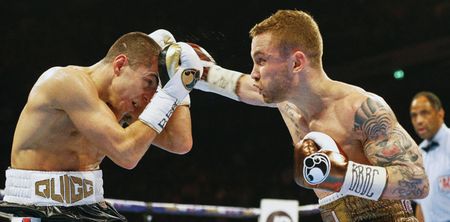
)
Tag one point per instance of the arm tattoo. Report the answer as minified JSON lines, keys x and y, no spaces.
{"x":395,"y":149}
{"x":386,"y":143}
{"x":407,"y":188}
{"x":372,"y":119}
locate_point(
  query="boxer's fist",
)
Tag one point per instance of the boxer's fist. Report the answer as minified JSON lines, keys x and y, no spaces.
{"x":319,"y":164}
{"x":180,"y":69}
{"x":319,"y":168}
{"x":207,"y":60}
{"x":215,"y":78}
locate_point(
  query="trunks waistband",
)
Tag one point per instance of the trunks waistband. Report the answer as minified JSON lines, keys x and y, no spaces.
{"x":53,"y":188}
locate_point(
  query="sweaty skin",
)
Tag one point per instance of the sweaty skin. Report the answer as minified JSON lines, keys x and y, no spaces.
{"x":362,"y":123}
{"x":70,"y":121}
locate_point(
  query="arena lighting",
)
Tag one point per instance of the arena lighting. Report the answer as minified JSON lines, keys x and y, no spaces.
{"x":399,"y":74}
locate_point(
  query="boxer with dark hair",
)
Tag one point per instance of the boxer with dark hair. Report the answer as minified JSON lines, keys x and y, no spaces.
{"x":70,"y":123}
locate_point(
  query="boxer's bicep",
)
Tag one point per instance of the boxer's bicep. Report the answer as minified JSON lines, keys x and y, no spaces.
{"x":385,"y":141}
{"x":375,"y":122}
{"x":387,"y":144}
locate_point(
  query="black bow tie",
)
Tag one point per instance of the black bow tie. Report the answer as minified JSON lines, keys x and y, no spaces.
{"x":430,"y":146}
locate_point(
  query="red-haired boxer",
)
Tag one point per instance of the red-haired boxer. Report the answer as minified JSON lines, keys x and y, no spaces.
{"x":288,"y":74}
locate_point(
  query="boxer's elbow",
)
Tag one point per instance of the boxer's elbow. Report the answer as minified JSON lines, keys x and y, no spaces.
{"x":424,"y":189}
{"x":127,"y":163}
{"x":298,"y":177}
{"x":127,"y":153}
{"x":422,"y":184}
{"x":128,"y":160}
{"x":298,"y":166}
{"x":176,"y":143}
{"x":182,"y":146}
{"x":298,"y":181}
{"x":425,"y":192}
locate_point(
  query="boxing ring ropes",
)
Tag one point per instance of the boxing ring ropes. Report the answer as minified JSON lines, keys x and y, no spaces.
{"x":132,"y":206}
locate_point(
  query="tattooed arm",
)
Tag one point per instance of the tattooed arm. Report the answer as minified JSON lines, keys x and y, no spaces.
{"x":387,"y":144}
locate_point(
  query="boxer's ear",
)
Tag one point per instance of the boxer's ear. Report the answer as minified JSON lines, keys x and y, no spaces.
{"x":119,"y":62}
{"x":299,"y":60}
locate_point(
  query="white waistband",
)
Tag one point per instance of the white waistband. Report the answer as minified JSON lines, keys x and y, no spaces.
{"x":330,"y":198}
{"x":50,"y":188}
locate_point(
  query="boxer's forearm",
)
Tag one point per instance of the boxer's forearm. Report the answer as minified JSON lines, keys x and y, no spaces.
{"x":406,"y":182}
{"x":248,"y":93}
{"x":177,"y":135}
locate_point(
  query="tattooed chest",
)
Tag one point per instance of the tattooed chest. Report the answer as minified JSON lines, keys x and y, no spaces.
{"x":296,"y":125}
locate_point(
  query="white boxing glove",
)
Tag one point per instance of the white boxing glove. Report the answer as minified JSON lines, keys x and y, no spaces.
{"x":322,"y":140}
{"x":162,"y":37}
{"x":180,"y":69}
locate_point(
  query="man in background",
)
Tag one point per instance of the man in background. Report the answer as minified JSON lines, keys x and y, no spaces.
{"x":427,"y":117}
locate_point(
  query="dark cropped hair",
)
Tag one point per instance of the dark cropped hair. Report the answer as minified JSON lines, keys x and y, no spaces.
{"x":432,"y":98}
{"x":137,"y":46}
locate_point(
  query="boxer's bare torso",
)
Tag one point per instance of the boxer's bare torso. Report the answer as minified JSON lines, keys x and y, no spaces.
{"x":357,"y":121}
{"x":338,"y":120}
{"x":70,"y":120}
{"x":45,"y":138}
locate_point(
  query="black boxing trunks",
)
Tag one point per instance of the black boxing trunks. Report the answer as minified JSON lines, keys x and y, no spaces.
{"x":55,"y":196}
{"x":338,"y":207}
{"x":101,"y":211}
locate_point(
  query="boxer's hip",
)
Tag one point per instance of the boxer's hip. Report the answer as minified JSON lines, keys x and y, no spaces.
{"x":351,"y":209}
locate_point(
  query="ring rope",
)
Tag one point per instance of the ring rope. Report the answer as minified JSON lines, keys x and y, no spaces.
{"x":133,"y":206}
